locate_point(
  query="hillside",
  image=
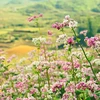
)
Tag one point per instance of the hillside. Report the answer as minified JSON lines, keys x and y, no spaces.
{"x":14,"y":14}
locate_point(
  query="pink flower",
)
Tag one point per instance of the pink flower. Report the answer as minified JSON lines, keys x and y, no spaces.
{"x":76,"y":64}
{"x":56,"y":86}
{"x":66,"y":66}
{"x":86,"y":71}
{"x":26,"y":99}
{"x":18,"y":99}
{"x":34,"y":17}
{"x":91,"y":41}
{"x":49,"y":32}
{"x":33,"y":91}
{"x":81,"y":85}
{"x":19,"y":85}
{"x":70,"y":40}
{"x":65,"y":96}
{"x":10,"y":58}
{"x":70,"y":88}
{"x":66,"y":20}
{"x":91,"y":84}
{"x":58,"y":25}
{"x":40,"y":15}
{"x":84,"y":32}
{"x":31,"y":18}
{"x":2,"y":58}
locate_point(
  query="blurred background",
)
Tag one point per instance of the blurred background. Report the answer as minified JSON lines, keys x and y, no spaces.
{"x":16,"y":32}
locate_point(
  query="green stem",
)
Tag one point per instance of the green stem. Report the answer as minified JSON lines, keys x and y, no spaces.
{"x":74,"y":78}
{"x":97,"y":52}
{"x":48,"y":79}
{"x":85,"y":55}
{"x":39,"y":85}
{"x":37,"y":23}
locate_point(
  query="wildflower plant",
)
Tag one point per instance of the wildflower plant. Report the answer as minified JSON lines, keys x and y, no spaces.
{"x":66,"y":74}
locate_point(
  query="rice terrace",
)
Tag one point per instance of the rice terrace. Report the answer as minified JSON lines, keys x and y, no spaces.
{"x":50,"y":50}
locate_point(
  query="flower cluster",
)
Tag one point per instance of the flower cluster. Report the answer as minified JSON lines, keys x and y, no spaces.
{"x":62,"y":38}
{"x":38,"y":41}
{"x":34,"y":17}
{"x":91,"y":42}
{"x":68,"y":22}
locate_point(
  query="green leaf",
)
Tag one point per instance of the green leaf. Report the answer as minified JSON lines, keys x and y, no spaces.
{"x":90,"y":58}
{"x":97,"y":93}
{"x":90,"y":98}
{"x":78,"y":92}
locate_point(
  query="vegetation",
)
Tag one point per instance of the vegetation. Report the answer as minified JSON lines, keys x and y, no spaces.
{"x":14,"y":14}
{"x":71,"y":73}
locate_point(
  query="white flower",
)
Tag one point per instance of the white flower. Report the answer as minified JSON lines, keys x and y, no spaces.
{"x":61,"y":39}
{"x":97,"y":45}
{"x":67,"y":17}
{"x":36,"y":63}
{"x":84,"y":32}
{"x":96,"y":62}
{"x":39,"y":40}
{"x":72,"y":24}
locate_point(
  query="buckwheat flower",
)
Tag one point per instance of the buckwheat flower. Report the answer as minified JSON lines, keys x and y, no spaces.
{"x":91,"y":41}
{"x":31,"y":54}
{"x":45,"y":63}
{"x":22,"y":60}
{"x":78,"y":54}
{"x":67,"y":66}
{"x":19,"y":85}
{"x":97,"y":45}
{"x":2,"y":58}
{"x":98,"y":76}
{"x":18,"y":99}
{"x":76,"y":64}
{"x":65,"y":96}
{"x":58,"y":25}
{"x":66,"y":20}
{"x":34,"y":17}
{"x":96,"y":62}
{"x":62,"y":38}
{"x":56,"y":86}
{"x":81,"y":85}
{"x":11,"y":57}
{"x":31,"y":18}
{"x":87,"y":71}
{"x":70,"y":40}
{"x":48,"y":42}
{"x":26,"y":99}
{"x":50,"y":33}
{"x":35,"y":63}
{"x":67,"y":17}
{"x":32,"y":91}
{"x":72,"y":24}
{"x":91,"y":85}
{"x":40,"y":15}
{"x":84,"y":32}
{"x":70,"y":88}
{"x":39,"y":41}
